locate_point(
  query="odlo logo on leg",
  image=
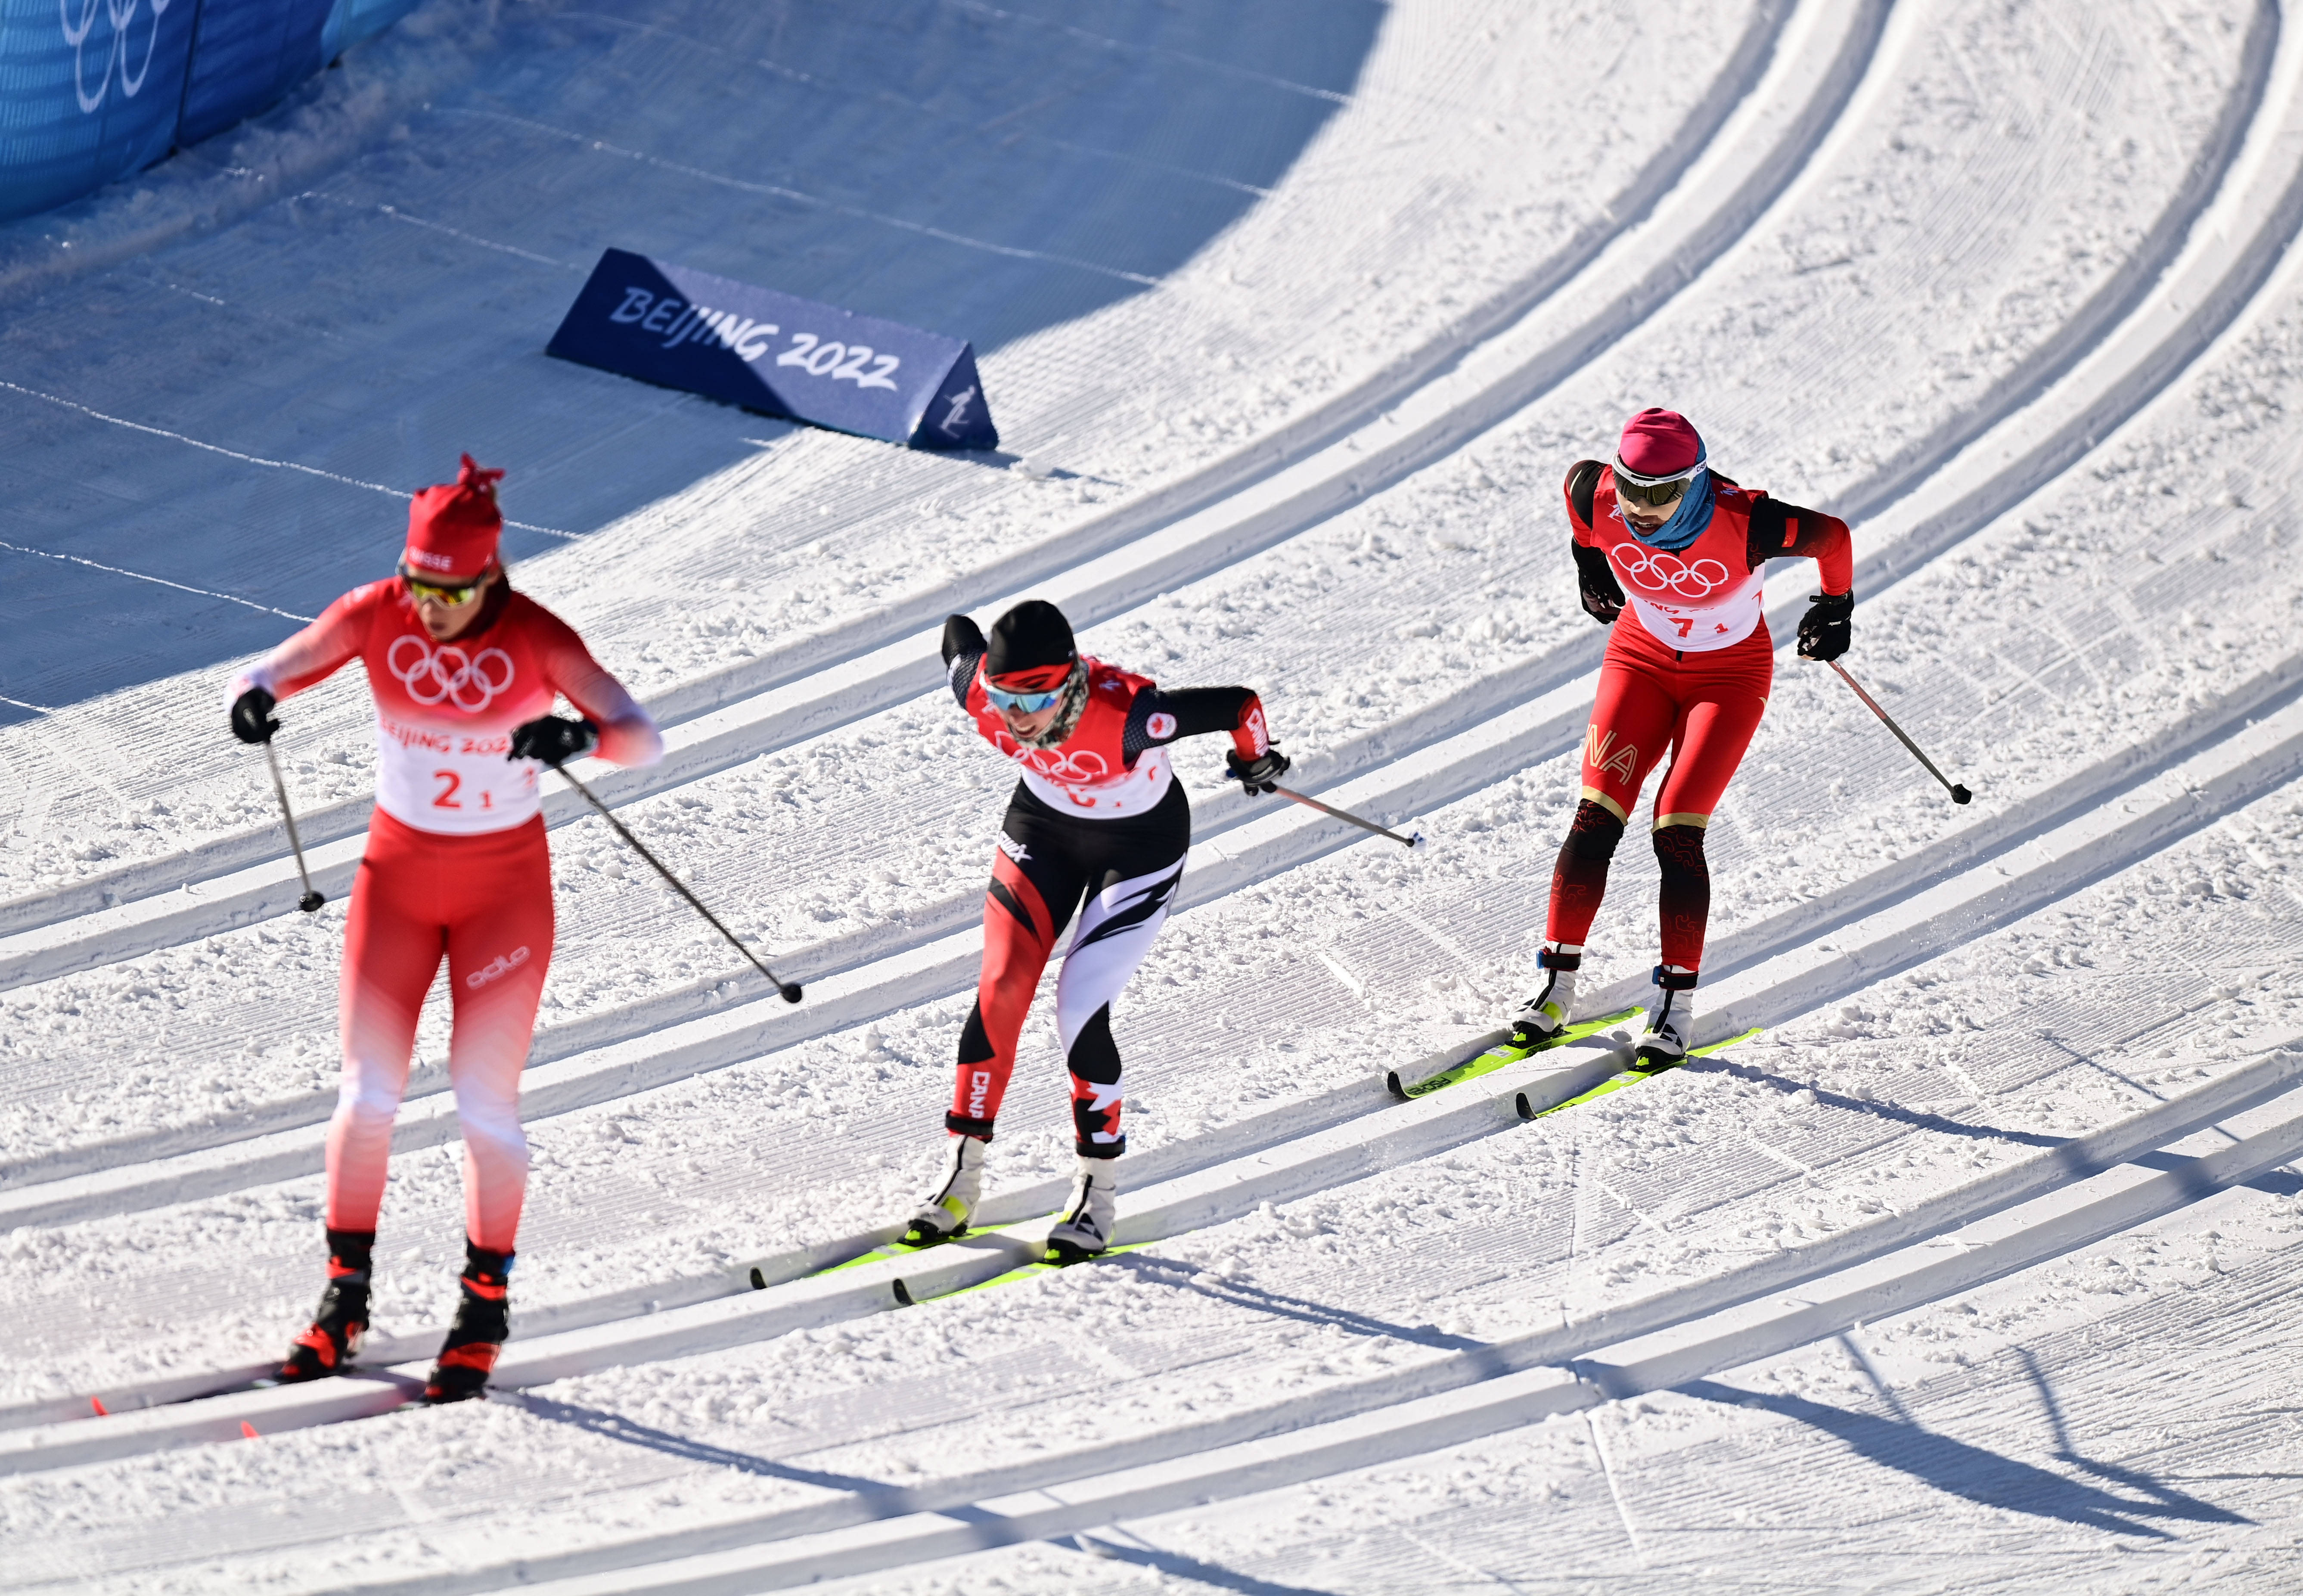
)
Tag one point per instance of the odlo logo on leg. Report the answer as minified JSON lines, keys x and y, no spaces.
{"x":979,"y":1087}
{"x":497,"y":968}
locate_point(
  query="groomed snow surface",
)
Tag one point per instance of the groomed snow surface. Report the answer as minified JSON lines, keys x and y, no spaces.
{"x":1976,"y":1269}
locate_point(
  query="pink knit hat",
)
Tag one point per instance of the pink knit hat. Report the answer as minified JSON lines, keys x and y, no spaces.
{"x":1658,"y":446}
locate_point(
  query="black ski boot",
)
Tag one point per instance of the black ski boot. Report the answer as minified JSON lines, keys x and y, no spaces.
{"x":482,"y":1320}
{"x":342,"y":1319}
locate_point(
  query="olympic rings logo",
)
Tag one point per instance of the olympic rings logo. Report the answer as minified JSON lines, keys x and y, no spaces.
{"x":1084,"y":768}
{"x":1653,"y":569}
{"x":470,"y":683}
{"x":120,"y":12}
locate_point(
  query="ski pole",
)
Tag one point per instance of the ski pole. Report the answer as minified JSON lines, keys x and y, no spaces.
{"x":1959,"y":794}
{"x":311,"y":900}
{"x":788,"y":989}
{"x":1365,"y":825}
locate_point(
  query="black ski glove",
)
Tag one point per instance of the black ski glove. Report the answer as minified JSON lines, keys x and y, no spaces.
{"x":251,"y":716}
{"x":1603,"y":599}
{"x":961,"y":635}
{"x":1825,"y":628}
{"x":1260,"y":775}
{"x":553,"y":740}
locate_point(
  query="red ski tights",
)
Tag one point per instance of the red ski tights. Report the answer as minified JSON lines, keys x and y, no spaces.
{"x":484,"y":903}
{"x":1702,"y":708}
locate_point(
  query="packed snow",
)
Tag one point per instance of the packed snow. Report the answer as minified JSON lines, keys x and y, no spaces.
{"x":1199,"y":247}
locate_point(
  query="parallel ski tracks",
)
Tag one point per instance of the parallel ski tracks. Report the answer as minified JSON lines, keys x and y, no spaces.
{"x":1472,"y":1395}
{"x":1813,"y":62}
{"x":1284,"y":1165}
{"x":2026,"y":1212}
{"x":2255,"y":176}
{"x":2202,"y":284}
{"x":1476,"y":1390}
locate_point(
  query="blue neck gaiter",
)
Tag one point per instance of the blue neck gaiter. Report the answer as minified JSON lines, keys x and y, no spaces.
{"x":1688,"y":521}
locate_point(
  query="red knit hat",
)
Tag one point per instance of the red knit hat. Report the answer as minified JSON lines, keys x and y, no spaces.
{"x":1658,"y":445}
{"x":453,"y":528}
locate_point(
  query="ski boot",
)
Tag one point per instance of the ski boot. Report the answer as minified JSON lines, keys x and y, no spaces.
{"x":960,"y":1187}
{"x":1671,"y":1021}
{"x":1085,"y":1229}
{"x":1543,"y":1018}
{"x":341,"y":1318}
{"x":483,"y":1321}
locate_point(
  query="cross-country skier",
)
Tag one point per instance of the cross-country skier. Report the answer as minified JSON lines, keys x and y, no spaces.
{"x":1682,"y":546}
{"x":1098,"y":817}
{"x":464,"y":672}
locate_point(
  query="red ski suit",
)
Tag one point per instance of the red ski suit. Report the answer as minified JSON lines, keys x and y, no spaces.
{"x":1687,"y":672}
{"x":455,"y":865}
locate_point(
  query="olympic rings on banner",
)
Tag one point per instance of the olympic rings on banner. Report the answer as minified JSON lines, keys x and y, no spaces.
{"x":470,"y":683}
{"x":120,"y":14}
{"x":1654,"y":570}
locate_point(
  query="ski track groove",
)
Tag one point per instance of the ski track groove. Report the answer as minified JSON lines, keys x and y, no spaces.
{"x":2091,"y":848}
{"x":1615,"y":1367}
{"x":1788,"y":934}
{"x":1499,"y":1388}
{"x":1339,"y":419}
{"x":1905,"y":549}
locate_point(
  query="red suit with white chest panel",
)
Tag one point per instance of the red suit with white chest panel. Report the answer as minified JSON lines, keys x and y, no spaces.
{"x":455,"y":866}
{"x":445,"y":711}
{"x":1690,"y":680}
{"x":1699,"y":599}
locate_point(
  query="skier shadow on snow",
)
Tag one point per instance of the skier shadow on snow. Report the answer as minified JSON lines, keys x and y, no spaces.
{"x":1187,"y":1277}
{"x":888,"y":1501}
{"x":1182,"y":1567}
{"x":1984,"y":1477}
{"x":2277,"y":1183}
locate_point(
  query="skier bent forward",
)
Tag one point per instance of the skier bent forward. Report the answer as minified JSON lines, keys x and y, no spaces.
{"x":1098,"y":823}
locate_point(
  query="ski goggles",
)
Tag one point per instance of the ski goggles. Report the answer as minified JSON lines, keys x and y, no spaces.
{"x":1030,"y":703}
{"x":1653,"y":492}
{"x":451,"y":593}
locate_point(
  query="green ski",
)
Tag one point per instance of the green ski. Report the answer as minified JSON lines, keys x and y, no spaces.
{"x":1500,"y":1055}
{"x":1022,"y":1271}
{"x":899,"y":1248}
{"x":1624,"y":1078}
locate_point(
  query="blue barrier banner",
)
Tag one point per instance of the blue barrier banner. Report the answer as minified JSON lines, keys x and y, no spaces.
{"x":245,"y":54}
{"x":88,"y":91}
{"x":353,"y":21}
{"x":777,"y":353}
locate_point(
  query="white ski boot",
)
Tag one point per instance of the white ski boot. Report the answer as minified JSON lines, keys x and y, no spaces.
{"x":1671,"y":1020}
{"x":1084,"y":1227}
{"x":1543,"y":1018}
{"x":960,"y":1187}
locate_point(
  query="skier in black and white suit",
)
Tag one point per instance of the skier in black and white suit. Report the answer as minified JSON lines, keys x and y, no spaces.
{"x":1098,"y":823}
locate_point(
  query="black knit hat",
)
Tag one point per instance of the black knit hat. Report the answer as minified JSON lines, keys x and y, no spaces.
{"x":1030,"y":642}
